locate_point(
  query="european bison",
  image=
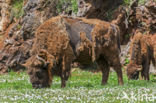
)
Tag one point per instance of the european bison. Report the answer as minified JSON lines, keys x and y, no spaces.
{"x":62,"y":40}
{"x":143,"y":51}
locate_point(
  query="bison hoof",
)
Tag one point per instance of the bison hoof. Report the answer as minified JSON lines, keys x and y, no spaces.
{"x":63,"y":86}
{"x":121,"y":83}
{"x":103,"y":83}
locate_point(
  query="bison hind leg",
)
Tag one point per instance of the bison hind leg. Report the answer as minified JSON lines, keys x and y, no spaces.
{"x":104,"y":66}
{"x":118,"y":70}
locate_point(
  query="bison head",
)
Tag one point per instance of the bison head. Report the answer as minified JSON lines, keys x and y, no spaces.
{"x":133,"y":71}
{"x":38,"y":71}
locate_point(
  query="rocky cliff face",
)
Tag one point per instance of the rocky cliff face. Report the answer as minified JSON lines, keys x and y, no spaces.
{"x":19,"y":41}
{"x":143,"y":18}
{"x":5,"y":6}
{"x":97,"y":8}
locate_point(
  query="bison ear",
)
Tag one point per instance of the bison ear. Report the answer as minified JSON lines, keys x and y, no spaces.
{"x":25,"y":65}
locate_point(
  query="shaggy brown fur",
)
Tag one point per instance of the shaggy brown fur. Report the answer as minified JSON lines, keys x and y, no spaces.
{"x":142,"y":53}
{"x":62,"y":40}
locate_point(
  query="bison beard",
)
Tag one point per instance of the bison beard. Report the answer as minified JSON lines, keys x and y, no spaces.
{"x":62,"y":40}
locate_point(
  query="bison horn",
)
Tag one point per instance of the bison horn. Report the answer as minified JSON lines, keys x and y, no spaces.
{"x":45,"y":63}
{"x":40,"y":59}
{"x":24,"y":65}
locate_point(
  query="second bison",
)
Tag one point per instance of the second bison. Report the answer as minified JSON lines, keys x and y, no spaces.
{"x":62,"y":40}
{"x":143,"y":52}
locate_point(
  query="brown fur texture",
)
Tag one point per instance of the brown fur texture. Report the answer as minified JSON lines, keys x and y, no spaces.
{"x":62,"y":40}
{"x":142,"y":53}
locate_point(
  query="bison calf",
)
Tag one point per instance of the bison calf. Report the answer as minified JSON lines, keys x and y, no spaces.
{"x":62,"y":40}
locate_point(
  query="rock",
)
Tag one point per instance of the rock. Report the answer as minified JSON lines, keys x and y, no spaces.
{"x":5,"y":6}
{"x":96,"y":8}
{"x":124,"y":53}
{"x":17,"y":45}
{"x":143,"y":18}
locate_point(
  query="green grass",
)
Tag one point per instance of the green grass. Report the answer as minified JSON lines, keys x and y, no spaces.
{"x":72,"y":5}
{"x":82,"y":87}
{"x":128,"y":2}
{"x":17,"y":9}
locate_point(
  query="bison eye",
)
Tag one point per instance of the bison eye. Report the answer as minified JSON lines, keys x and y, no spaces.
{"x":39,"y":74}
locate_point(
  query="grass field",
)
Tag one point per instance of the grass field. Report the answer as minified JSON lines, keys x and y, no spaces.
{"x":82,"y":87}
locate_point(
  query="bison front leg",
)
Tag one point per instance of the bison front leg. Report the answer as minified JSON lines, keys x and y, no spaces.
{"x":104,"y":66}
{"x":64,"y":77}
{"x":63,"y":81}
{"x":66,"y":69}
